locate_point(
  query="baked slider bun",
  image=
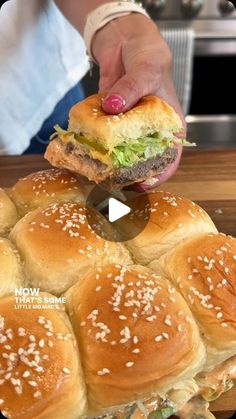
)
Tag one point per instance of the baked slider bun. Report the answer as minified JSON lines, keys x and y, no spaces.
{"x":117,"y":149}
{"x":40,"y":373}
{"x":204,"y":270}
{"x":171,"y":220}
{"x":11,"y":270}
{"x":8,"y":213}
{"x":58,"y":245}
{"x":41,"y":188}
{"x":136,"y":335}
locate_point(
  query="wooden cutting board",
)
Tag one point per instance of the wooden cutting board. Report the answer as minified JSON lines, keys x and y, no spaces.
{"x":207,"y":177}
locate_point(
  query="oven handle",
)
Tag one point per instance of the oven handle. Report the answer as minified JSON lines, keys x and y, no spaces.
{"x":215,"y":35}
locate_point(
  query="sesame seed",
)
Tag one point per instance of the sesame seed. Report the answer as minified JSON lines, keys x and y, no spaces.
{"x":18,"y":389}
{"x":168,"y":322}
{"x":66,"y":370}
{"x":135,"y":339}
{"x":136,"y":351}
{"x":41,"y":343}
{"x":150,"y":318}
{"x":103,"y":371}
{"x":219,"y":315}
{"x":165,"y":335}
{"x":1,"y":401}
{"x":37,"y":394}
{"x":158,"y":338}
{"x":121,"y":317}
{"x":21,"y":331}
{"x":129,"y":364}
{"x":32,"y":383}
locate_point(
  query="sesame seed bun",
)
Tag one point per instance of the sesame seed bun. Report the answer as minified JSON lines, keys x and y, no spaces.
{"x":40,"y":372}
{"x":150,"y":114}
{"x":204,"y":271}
{"x":171,"y":220}
{"x":136,"y":335}
{"x":41,"y":188}
{"x":58,"y":245}
{"x":8,"y":213}
{"x":11,"y":271}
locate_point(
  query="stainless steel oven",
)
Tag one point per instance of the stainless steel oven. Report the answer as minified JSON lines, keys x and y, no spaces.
{"x":212,"y":114}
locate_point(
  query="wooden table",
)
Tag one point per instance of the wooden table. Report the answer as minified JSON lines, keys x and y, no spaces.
{"x":207,"y":177}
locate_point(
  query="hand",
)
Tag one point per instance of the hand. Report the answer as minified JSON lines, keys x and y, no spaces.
{"x":135,"y":61}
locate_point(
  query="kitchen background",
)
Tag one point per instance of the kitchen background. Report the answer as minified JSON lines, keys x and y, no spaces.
{"x":202,"y":35}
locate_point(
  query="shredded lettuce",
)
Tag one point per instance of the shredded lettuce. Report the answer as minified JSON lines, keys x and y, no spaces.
{"x":212,"y":392}
{"x":130,"y":151}
{"x":59,"y":132}
{"x":163,"y":413}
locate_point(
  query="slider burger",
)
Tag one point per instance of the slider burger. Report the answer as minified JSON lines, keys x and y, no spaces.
{"x":40,"y":370}
{"x":139,"y":344}
{"x":203,"y":270}
{"x":117,"y":149}
{"x":40,"y":188}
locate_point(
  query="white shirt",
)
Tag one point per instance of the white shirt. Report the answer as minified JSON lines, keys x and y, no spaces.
{"x":41,"y":57}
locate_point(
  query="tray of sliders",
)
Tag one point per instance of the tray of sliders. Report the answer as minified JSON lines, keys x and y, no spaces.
{"x":98,"y":322}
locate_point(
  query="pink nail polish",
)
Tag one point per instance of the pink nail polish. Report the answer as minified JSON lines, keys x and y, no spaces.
{"x":114,"y":103}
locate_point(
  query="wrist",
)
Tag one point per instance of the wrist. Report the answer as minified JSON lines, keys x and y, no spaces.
{"x":106,"y":13}
{"x":123,"y":29}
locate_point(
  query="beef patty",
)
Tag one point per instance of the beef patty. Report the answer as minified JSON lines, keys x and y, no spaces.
{"x":126,"y":175}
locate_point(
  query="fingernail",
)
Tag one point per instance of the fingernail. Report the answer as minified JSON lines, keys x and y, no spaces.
{"x":114,"y":102}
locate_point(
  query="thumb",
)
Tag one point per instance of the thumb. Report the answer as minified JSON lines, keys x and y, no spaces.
{"x":127,"y":91}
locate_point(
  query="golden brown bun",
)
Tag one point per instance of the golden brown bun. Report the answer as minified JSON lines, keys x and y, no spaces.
{"x":136,"y":336}
{"x":41,"y":188}
{"x":11,"y":270}
{"x":204,"y":270}
{"x":58,"y":245}
{"x":171,"y":220}
{"x":149,"y":115}
{"x":8,"y":213}
{"x":40,"y":372}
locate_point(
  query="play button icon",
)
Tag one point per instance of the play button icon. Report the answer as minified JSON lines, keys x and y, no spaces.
{"x":116,"y":210}
{"x":127,"y":212}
